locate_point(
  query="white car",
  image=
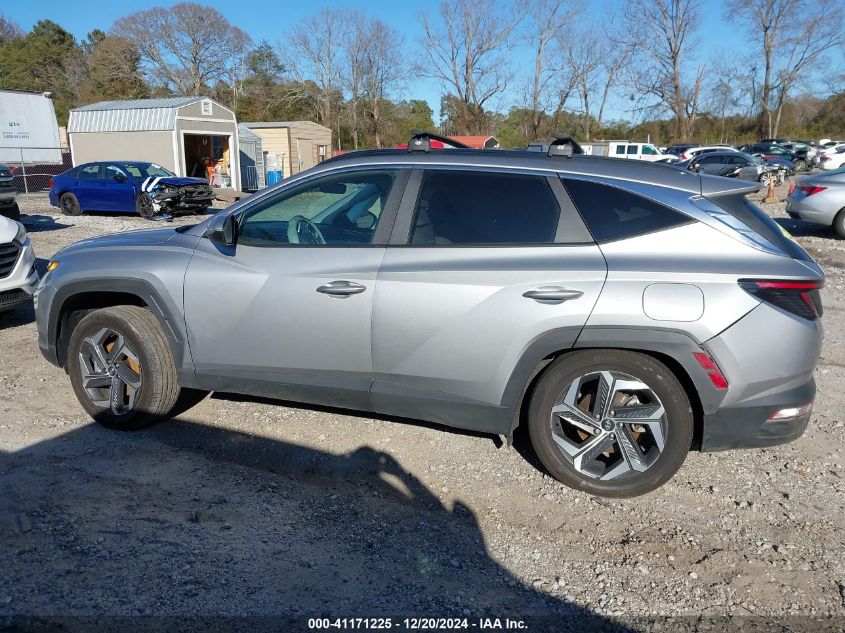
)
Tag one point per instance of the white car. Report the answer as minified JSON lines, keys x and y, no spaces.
{"x":692,"y":152}
{"x":834,"y":158}
{"x":18,"y":276}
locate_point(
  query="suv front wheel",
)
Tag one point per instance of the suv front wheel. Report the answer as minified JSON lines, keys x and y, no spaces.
{"x":610,"y":422}
{"x":121,"y":368}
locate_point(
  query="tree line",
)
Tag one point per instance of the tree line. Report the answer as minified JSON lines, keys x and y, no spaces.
{"x":351,"y":71}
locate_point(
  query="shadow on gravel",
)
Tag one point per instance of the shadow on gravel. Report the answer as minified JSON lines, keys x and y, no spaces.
{"x":19,"y":315}
{"x":188,"y":519}
{"x":41,"y":223}
{"x":801,"y":228}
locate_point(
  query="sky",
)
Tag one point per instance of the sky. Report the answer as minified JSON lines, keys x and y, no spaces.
{"x":269,"y":19}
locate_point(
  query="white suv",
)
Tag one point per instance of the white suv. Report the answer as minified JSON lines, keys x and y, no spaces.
{"x":18,"y":276}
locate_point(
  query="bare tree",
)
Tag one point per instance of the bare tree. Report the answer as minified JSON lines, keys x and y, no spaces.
{"x":314,"y":53}
{"x":661,"y":69}
{"x":186,"y":47}
{"x":356,"y":42}
{"x":8,"y":30}
{"x":793,"y":37}
{"x":547,"y":24}
{"x":466,"y":53}
{"x":722,"y":94}
{"x":383,"y":69}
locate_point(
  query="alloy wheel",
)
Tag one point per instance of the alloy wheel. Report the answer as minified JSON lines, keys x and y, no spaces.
{"x":145,"y":207}
{"x":111,"y":371}
{"x":608,"y":424}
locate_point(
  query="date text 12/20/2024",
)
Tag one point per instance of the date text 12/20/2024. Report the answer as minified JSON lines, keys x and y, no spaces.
{"x":417,"y":624}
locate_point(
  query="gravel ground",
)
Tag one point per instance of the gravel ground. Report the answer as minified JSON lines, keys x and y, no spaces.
{"x":247,"y":507}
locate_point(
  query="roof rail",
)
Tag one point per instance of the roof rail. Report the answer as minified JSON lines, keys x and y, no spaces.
{"x":421,"y":141}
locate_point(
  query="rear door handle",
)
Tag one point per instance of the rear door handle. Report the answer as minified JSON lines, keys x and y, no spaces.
{"x":552,"y":294}
{"x":341,"y":288}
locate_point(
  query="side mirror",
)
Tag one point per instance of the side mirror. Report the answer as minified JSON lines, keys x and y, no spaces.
{"x":223,"y":229}
{"x":120,"y":178}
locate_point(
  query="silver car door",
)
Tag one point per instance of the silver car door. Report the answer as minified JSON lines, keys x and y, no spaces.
{"x":486,"y":263}
{"x":287,"y":311}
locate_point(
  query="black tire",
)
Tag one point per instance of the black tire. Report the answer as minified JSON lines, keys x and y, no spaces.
{"x":12,"y":212}
{"x":144,"y":206}
{"x":69,"y":204}
{"x":839,"y":223}
{"x":159,"y":390}
{"x":679,"y":420}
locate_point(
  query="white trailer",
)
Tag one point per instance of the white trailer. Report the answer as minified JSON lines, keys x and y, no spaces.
{"x":29,"y":132}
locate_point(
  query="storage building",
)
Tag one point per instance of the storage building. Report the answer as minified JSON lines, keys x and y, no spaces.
{"x":292,"y":146}
{"x":176,"y":133}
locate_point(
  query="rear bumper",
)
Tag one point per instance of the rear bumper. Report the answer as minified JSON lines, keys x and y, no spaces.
{"x":769,"y":358}
{"x":748,"y":425}
{"x":803,"y":210}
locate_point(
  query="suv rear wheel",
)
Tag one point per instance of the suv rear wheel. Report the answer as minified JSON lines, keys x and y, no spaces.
{"x":610,"y":422}
{"x":121,"y":367}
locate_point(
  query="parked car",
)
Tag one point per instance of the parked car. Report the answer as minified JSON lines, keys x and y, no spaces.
{"x":704,"y":149}
{"x":782,"y":166}
{"x":833,"y":159}
{"x":8,"y":195}
{"x":679,"y":148}
{"x":797,"y":147}
{"x":820,"y":198}
{"x":724,"y":163}
{"x":774,"y":141}
{"x":623,"y":311}
{"x":770,"y":150}
{"x":18,"y":277}
{"x":128,"y":186}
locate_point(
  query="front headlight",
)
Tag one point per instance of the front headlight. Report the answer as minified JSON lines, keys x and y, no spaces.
{"x":20,"y":237}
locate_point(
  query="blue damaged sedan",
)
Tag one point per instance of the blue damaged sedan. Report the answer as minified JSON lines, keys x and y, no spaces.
{"x":147,"y":189}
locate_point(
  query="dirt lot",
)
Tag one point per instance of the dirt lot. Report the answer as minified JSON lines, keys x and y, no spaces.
{"x":245,"y":507}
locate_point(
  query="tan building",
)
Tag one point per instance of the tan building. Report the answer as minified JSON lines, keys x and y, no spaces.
{"x":176,"y":133}
{"x":292,"y":146}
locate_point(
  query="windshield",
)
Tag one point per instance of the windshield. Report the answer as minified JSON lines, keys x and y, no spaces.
{"x":147,"y":170}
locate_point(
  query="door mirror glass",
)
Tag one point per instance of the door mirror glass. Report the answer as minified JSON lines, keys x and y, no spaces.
{"x":119,"y":178}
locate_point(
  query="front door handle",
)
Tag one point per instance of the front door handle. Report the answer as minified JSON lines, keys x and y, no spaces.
{"x":552,"y":294}
{"x":341,"y":288}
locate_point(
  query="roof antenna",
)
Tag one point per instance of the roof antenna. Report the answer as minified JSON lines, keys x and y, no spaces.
{"x":564,"y":145}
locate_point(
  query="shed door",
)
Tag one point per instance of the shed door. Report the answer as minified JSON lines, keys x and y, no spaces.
{"x":306,"y":153}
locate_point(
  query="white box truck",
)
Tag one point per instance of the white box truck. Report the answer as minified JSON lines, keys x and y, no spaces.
{"x":29,"y":132}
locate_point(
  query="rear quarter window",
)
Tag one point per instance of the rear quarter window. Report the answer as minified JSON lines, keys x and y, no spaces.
{"x":759,"y":221}
{"x":613,"y":214}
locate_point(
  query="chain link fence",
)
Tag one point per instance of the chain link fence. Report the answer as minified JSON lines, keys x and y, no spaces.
{"x":31,"y":177}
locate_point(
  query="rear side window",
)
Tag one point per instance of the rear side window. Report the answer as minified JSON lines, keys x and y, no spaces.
{"x":615,"y":214}
{"x":757,"y":220}
{"x":475,"y":208}
{"x":91,"y":172}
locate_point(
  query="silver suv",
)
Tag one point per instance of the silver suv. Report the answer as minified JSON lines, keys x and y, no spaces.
{"x":625,"y":312}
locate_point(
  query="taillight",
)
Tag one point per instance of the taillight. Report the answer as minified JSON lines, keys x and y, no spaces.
{"x":801,"y":298}
{"x":52,"y":182}
{"x":809,"y":190}
{"x":713,"y":372}
{"x":824,"y":159}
